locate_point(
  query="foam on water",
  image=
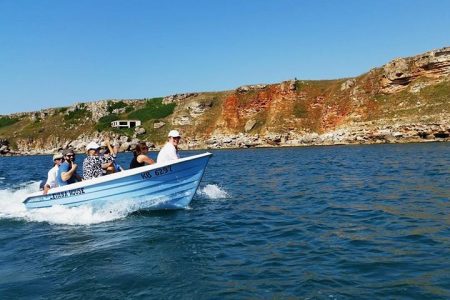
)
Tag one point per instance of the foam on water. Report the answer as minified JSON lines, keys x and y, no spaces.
{"x":212,"y":191}
{"x":11,"y":207}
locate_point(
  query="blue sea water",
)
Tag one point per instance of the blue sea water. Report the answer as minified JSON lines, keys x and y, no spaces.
{"x":340,"y":222}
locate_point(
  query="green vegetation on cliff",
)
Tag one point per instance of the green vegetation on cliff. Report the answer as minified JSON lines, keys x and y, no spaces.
{"x":7,"y":121}
{"x":154,"y":109}
{"x":105,"y":122}
{"x":77,"y":114}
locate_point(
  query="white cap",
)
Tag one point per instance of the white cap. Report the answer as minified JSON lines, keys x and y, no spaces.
{"x":93,"y":146}
{"x":174,"y":133}
{"x":57,"y":156}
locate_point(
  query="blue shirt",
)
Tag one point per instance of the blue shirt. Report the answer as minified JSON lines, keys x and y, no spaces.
{"x":65,"y":167}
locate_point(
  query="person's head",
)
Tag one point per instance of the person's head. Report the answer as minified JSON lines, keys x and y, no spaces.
{"x":69,"y":155}
{"x":106,"y":152}
{"x":174,"y":137}
{"x":92,"y":148}
{"x":57,"y":158}
{"x":141,"y":148}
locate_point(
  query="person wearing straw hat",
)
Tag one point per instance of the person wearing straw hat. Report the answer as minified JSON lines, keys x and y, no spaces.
{"x":53,"y":173}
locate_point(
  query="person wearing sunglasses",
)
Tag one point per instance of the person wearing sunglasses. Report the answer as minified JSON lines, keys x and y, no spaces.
{"x":53,"y":173}
{"x":67,"y":172}
{"x":170,"y":150}
{"x":140,"y":157}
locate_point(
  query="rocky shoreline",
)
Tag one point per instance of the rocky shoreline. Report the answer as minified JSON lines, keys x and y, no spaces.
{"x":357,"y":135}
{"x":404,"y":101}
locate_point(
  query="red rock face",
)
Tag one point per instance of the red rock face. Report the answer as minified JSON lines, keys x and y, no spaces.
{"x":313,"y":106}
{"x":230,"y":113}
{"x":260,"y":103}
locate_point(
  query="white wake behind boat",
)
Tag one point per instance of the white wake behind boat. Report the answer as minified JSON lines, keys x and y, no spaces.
{"x":170,"y":185}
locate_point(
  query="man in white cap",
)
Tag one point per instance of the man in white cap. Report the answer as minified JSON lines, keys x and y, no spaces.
{"x":170,"y":150}
{"x":93,"y":165}
{"x":53,"y":173}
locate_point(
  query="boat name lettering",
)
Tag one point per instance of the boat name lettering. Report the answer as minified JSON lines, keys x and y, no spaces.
{"x":65,"y":194}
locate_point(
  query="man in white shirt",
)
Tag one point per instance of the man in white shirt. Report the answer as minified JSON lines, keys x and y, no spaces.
{"x":170,"y":150}
{"x":51,"y":176}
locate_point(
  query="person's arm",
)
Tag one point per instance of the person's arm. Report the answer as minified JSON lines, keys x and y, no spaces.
{"x":111,"y":150}
{"x":145,"y":159}
{"x":66,"y":175}
{"x":78,"y":177}
{"x":46,"y":188}
{"x":51,"y":176}
{"x":106,"y":162}
{"x":107,"y":165}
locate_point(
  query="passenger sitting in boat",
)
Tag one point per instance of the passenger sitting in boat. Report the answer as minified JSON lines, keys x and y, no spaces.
{"x":93,"y":165}
{"x":67,"y":172}
{"x":170,"y":150}
{"x":140,"y":158}
{"x":53,"y":173}
{"x":109,"y":155}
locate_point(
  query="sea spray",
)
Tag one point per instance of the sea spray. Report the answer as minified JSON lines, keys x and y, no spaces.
{"x":212,"y":191}
{"x":11,"y":207}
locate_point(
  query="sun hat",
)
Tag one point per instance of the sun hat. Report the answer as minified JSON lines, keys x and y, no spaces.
{"x":174,"y":133}
{"x":68,"y":151}
{"x":93,"y":146}
{"x":57,"y":156}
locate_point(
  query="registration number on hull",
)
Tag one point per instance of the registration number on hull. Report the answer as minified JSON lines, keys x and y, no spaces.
{"x":156,"y":172}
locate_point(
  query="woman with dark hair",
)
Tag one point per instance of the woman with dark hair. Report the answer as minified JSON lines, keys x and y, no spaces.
{"x":140,"y":158}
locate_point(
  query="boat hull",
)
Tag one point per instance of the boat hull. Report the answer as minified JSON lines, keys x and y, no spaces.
{"x":159,"y":186}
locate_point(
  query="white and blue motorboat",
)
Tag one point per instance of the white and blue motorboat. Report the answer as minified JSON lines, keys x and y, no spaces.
{"x":170,"y":185}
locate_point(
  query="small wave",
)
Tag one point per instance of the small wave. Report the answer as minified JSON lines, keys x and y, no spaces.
{"x":212,"y":191}
{"x":11,"y":207}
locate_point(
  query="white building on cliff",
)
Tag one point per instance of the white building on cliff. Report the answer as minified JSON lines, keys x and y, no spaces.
{"x":125,"y":123}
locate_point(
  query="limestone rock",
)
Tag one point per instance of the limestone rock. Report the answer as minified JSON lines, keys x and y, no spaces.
{"x":288,"y":86}
{"x":308,"y":138}
{"x":4,"y":149}
{"x":249,"y":125}
{"x":178,"y":97}
{"x":182,"y":120}
{"x":399,"y":73}
{"x":124,"y":147}
{"x":273,"y":139}
{"x":198,"y":108}
{"x":348,"y":84}
{"x":123,"y":139}
{"x":247,"y":88}
{"x":119,"y":111}
{"x":158,"y":125}
{"x":139,"y":130}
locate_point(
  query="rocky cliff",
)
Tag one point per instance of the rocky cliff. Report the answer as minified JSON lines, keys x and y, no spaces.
{"x":406,"y":100}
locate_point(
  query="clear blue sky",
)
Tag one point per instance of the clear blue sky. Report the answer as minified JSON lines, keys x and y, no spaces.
{"x":54,"y":53}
